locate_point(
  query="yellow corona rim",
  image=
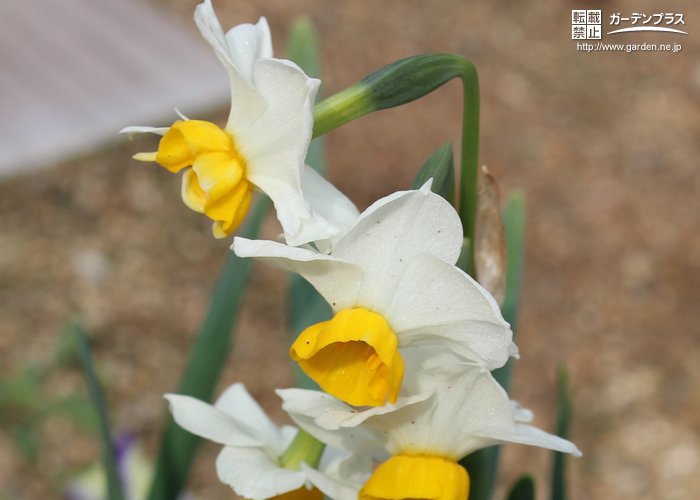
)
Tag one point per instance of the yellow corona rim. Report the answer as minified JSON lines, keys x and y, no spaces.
{"x":419,"y":477}
{"x":354,"y":357}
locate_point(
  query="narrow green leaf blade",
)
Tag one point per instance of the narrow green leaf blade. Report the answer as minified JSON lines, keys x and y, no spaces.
{"x":483,"y":464}
{"x":114,"y":488}
{"x":306,"y":306}
{"x":206,"y":361}
{"x":482,"y":468}
{"x":464,"y":255}
{"x":514,"y":224}
{"x":439,"y":167}
{"x":302,"y":48}
{"x":523,"y":489}
{"x":563,"y":420}
{"x":26,"y":438}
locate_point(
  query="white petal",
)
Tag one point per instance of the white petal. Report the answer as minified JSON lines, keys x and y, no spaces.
{"x":492,"y":416}
{"x":275,"y":146}
{"x":434,"y":300}
{"x":208,"y":422}
{"x":337,"y":281}
{"x":471,"y":411}
{"x":411,"y":428}
{"x":255,"y":475}
{"x":445,"y":423}
{"x":332,"y":414}
{"x":393,"y":229}
{"x":305,"y":407}
{"x":527,"y":434}
{"x":521,"y":414}
{"x":332,"y":458}
{"x":291,"y":209}
{"x":247,"y":43}
{"x":246,"y":103}
{"x":287,"y":123}
{"x":237,"y":402}
{"x":332,"y":212}
{"x":137,"y":129}
{"x":358,"y":466}
{"x":473,"y":398}
{"x":332,"y":487}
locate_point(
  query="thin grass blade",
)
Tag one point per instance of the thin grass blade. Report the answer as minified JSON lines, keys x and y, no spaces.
{"x":109,"y":456}
{"x":306,"y":306}
{"x":563,"y":420}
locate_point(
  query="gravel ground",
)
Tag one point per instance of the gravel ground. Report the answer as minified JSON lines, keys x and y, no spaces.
{"x":602,"y":144}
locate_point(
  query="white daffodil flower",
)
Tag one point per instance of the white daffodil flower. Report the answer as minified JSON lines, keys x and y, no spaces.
{"x":253,"y":457}
{"x":460,"y":409}
{"x":391,"y":282}
{"x":263,"y":145}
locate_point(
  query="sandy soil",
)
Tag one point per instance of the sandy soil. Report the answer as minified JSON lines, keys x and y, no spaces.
{"x":604,"y":146}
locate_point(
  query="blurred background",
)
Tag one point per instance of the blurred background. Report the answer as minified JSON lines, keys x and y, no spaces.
{"x":604,"y":146}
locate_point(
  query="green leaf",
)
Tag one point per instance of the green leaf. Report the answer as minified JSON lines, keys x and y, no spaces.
{"x":20,"y":393}
{"x":77,"y":408}
{"x":523,"y":489}
{"x":563,"y":420}
{"x":464,"y":255}
{"x":483,"y":464}
{"x":482,"y":468}
{"x":114,"y":488}
{"x":306,"y":306}
{"x":514,"y":224}
{"x":302,"y":48}
{"x":207,"y":359}
{"x":439,"y":167}
{"x":27,"y":440}
{"x":65,"y":349}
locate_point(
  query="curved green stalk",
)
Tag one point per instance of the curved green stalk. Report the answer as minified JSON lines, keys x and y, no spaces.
{"x":405,"y":81}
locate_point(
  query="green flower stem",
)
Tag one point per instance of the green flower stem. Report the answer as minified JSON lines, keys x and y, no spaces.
{"x":405,"y":81}
{"x":341,"y":108}
{"x":303,"y":448}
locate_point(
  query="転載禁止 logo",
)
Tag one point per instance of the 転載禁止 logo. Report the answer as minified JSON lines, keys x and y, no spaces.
{"x":588,"y":24}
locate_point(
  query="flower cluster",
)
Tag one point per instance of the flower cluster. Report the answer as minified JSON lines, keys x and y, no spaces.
{"x":404,"y":363}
